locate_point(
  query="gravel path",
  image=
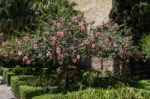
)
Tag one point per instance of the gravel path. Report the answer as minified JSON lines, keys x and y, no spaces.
{"x":5,"y":91}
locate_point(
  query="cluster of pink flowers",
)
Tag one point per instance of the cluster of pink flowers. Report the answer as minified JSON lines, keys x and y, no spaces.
{"x":26,"y":60}
{"x":26,"y":38}
{"x":53,"y":41}
{"x":75,"y":19}
{"x":35,"y":46}
{"x":60,"y":34}
{"x":82,"y":26}
{"x":86,"y":42}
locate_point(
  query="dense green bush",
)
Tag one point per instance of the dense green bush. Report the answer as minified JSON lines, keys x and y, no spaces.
{"x":5,"y":71}
{"x":121,"y":93}
{"x":16,"y":82}
{"x":8,"y":77}
{"x":27,"y":92}
{"x":146,"y":46}
{"x":133,"y":14}
{"x":15,"y":18}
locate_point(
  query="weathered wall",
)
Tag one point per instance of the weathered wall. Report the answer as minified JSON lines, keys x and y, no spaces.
{"x":95,"y":10}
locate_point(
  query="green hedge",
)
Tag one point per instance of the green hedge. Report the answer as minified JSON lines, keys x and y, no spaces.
{"x":16,"y":83}
{"x":8,"y":77}
{"x":27,"y":92}
{"x":5,"y":71}
{"x":122,"y":93}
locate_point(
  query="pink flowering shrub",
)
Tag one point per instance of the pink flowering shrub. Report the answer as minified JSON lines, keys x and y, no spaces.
{"x":61,"y":42}
{"x":108,"y":42}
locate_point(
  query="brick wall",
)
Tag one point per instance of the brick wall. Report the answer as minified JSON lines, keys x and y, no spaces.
{"x":95,"y":10}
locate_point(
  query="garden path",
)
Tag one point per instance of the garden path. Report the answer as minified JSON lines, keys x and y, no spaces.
{"x":5,"y":91}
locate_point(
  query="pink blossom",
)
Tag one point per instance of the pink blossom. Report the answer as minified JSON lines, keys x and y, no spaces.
{"x":35,"y":46}
{"x":28,"y":62}
{"x":78,"y":57}
{"x":71,"y":48}
{"x":60,"y":57}
{"x":47,"y":33}
{"x":74,"y":60}
{"x":60,"y":34}
{"x":53,"y":41}
{"x":82,"y":26}
{"x":122,"y":53}
{"x":75,"y":19}
{"x":24,"y":58}
{"x":93,"y":46}
{"x":58,"y":50}
{"x":19,"y":53}
{"x":86,"y":42}
{"x":49,"y":54}
{"x":60,"y":62}
{"x":97,"y":34}
{"x":26,"y":38}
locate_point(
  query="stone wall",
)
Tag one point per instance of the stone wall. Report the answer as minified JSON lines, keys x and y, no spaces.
{"x":95,"y":10}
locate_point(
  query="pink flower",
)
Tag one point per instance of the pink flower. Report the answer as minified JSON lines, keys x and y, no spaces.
{"x":93,"y":46}
{"x":60,"y":62}
{"x":60,"y":34}
{"x":78,"y":57}
{"x":86,"y":42}
{"x":26,"y":38}
{"x":97,"y":34}
{"x":75,"y":19}
{"x":58,"y":50}
{"x":35,"y":46}
{"x":122,"y":53}
{"x":19,"y":53}
{"x":47,"y":33}
{"x":82,"y":26}
{"x":71,"y":48}
{"x":49,"y":54}
{"x":24,"y":58}
{"x":53,"y":41}
{"x":60,"y":57}
{"x":28,"y":62}
{"x":74,"y":60}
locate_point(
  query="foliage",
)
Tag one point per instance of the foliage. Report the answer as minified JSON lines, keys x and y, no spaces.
{"x":146,"y":45}
{"x":121,"y":93}
{"x":15,"y":18}
{"x":64,"y":42}
{"x":16,"y":83}
{"x":133,"y":15}
{"x":110,"y":42}
{"x":27,"y":92}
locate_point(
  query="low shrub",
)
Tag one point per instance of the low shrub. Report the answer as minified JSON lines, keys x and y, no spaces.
{"x":16,"y":82}
{"x":5,"y":71}
{"x":122,"y":93}
{"x":27,"y":92}
{"x":146,"y":46}
{"x":8,"y":77}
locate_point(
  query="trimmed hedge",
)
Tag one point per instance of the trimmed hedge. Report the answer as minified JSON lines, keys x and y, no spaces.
{"x":8,"y":77}
{"x":16,"y":83}
{"x":5,"y":71}
{"x":122,"y":93}
{"x":28,"y":92}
